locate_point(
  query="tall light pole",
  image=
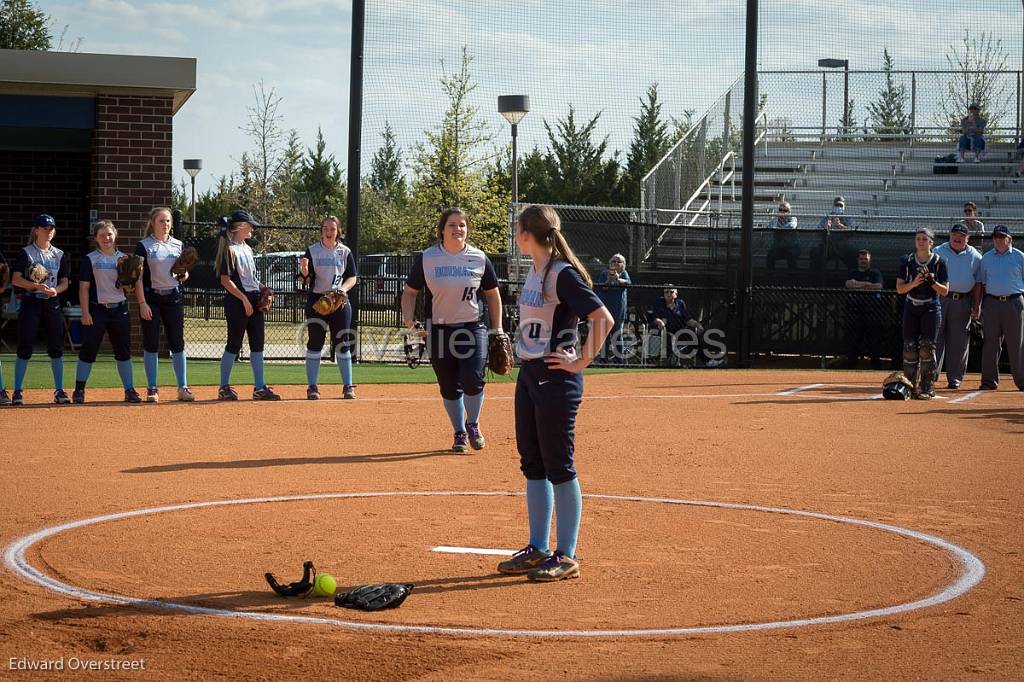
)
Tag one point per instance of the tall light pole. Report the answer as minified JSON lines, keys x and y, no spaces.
{"x":513,"y":108}
{"x":845,"y":63}
{"x":192,"y":167}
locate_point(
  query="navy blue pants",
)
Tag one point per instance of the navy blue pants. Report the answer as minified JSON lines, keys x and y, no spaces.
{"x":546,"y":405}
{"x":32,"y":313}
{"x":339,"y":323}
{"x":239,"y":325}
{"x":169,"y":312}
{"x":921,"y":322}
{"x":458,"y":354}
{"x":112,"y":321}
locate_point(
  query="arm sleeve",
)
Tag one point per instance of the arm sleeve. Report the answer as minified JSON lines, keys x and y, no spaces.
{"x":140,"y":250}
{"x":417,"y":280}
{"x":64,"y":269}
{"x":490,"y":279}
{"x":85,"y":269}
{"x":21,"y":262}
{"x":979,"y":274}
{"x":350,"y":265}
{"x":941,"y":273}
{"x":574,"y":292}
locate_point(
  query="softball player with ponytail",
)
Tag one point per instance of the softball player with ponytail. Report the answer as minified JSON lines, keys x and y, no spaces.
{"x":330,"y":265}
{"x":454,"y":275}
{"x":104,"y":310}
{"x":556,"y":293}
{"x":160,"y":302}
{"x":923,"y":279}
{"x":40,"y":303}
{"x":236,"y":267}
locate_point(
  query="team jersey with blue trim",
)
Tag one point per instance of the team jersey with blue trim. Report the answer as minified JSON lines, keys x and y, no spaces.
{"x":241,"y":266}
{"x":160,"y":256}
{"x":329,"y":267}
{"x":100,"y":271}
{"x":547,"y":321}
{"x":908,"y":271}
{"x":453,"y":282}
{"x":53,"y":259}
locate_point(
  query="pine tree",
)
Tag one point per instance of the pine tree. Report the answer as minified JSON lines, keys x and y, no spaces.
{"x":888,"y":114}
{"x":23,"y":27}
{"x":320,"y":178}
{"x":576,"y":165}
{"x":651,"y":139}
{"x":386,"y":176}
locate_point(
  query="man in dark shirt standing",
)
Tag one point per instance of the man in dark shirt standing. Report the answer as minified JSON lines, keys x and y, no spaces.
{"x":864,"y":312}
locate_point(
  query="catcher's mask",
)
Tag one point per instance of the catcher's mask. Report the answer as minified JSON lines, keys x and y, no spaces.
{"x":415,"y":346}
{"x":896,"y":387}
{"x":299,"y":588}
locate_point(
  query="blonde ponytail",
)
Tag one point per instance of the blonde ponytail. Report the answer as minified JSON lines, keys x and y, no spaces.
{"x":546,"y":227}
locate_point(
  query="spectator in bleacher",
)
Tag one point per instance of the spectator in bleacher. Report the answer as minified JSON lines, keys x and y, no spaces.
{"x":611,"y":288}
{"x":975,"y":226}
{"x":834,"y":247}
{"x":671,"y":316}
{"x":784,"y":245}
{"x":864,"y":313}
{"x":1001,"y":285}
{"x":953,"y":343}
{"x":972,"y":131}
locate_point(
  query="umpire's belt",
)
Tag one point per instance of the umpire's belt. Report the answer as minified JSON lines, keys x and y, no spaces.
{"x":956,"y":295}
{"x":1008,"y":297}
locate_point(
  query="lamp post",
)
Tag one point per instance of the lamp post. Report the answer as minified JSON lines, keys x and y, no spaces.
{"x":192,"y":167}
{"x":835,"y":64}
{"x":514,"y":108}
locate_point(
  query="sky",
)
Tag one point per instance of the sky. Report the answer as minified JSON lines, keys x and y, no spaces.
{"x":599,"y":56}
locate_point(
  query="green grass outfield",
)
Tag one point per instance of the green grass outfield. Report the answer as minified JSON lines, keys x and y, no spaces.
{"x":207,"y":373}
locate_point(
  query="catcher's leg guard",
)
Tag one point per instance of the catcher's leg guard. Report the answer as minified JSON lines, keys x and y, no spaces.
{"x":926,"y":355}
{"x":911,"y":361}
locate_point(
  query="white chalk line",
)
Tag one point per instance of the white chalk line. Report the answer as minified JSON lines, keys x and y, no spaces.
{"x":800,"y":389}
{"x":971,"y":572}
{"x":965,"y":398}
{"x":473,"y":550}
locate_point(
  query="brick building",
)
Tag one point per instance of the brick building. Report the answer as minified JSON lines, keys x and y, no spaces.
{"x":83,"y":137}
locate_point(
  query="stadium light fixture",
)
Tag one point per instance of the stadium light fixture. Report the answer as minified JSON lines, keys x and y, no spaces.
{"x":845,"y":65}
{"x":192,"y":167}
{"x":513,"y":108}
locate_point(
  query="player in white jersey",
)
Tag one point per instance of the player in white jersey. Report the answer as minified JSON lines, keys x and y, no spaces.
{"x":104,"y":311}
{"x":329,"y":265}
{"x":160,"y":302}
{"x":455,"y":275}
{"x":549,"y":389}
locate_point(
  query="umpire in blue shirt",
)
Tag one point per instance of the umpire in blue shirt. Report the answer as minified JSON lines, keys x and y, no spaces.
{"x":953,"y":344}
{"x":1000,"y":287}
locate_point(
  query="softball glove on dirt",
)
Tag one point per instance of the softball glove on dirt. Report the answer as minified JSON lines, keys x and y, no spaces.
{"x":374,"y":597}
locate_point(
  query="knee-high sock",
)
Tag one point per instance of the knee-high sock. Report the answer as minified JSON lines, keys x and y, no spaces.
{"x":568,"y":509}
{"x":256,"y":360}
{"x":57,"y":367}
{"x":474,"y":403}
{"x":178,"y":363}
{"x":227,"y":361}
{"x":539,"y":504}
{"x":312,"y":367}
{"x":344,"y":361}
{"x":456,"y":413}
{"x":20,"y":368}
{"x":149,"y":361}
{"x":124,"y":370}
{"x":82,"y":373}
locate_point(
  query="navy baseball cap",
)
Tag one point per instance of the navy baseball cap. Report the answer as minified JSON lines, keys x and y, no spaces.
{"x":959,"y":227}
{"x":1001,"y":229}
{"x":44,"y":220}
{"x":242,"y":217}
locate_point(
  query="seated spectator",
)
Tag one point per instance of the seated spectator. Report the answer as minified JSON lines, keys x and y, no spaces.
{"x":836,"y":219}
{"x":972,"y":130}
{"x":611,"y":289}
{"x":864,"y":313}
{"x":784,"y":245}
{"x":975,"y":226}
{"x":834,"y":247}
{"x":671,"y":316}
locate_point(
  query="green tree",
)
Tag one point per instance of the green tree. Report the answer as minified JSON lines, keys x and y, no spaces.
{"x":320,"y":178}
{"x":651,"y":139}
{"x":888,"y":114}
{"x":981,"y":77}
{"x":23,"y":27}
{"x":386,"y":175}
{"x":576,"y":166}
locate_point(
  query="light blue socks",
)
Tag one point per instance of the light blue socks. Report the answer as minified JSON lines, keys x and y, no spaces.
{"x":82,"y":372}
{"x":149,"y":363}
{"x":1,"y":377}
{"x":57,"y":367}
{"x":227,"y":361}
{"x":344,"y":361}
{"x":20,"y":368}
{"x":124,"y":370}
{"x":456,"y":413}
{"x":178,"y":363}
{"x":312,"y":367}
{"x":539,"y":504}
{"x":474,"y":403}
{"x":256,"y":360}
{"x":569,"y":508}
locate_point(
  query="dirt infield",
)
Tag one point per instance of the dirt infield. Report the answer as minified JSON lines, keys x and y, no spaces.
{"x":651,"y":449}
